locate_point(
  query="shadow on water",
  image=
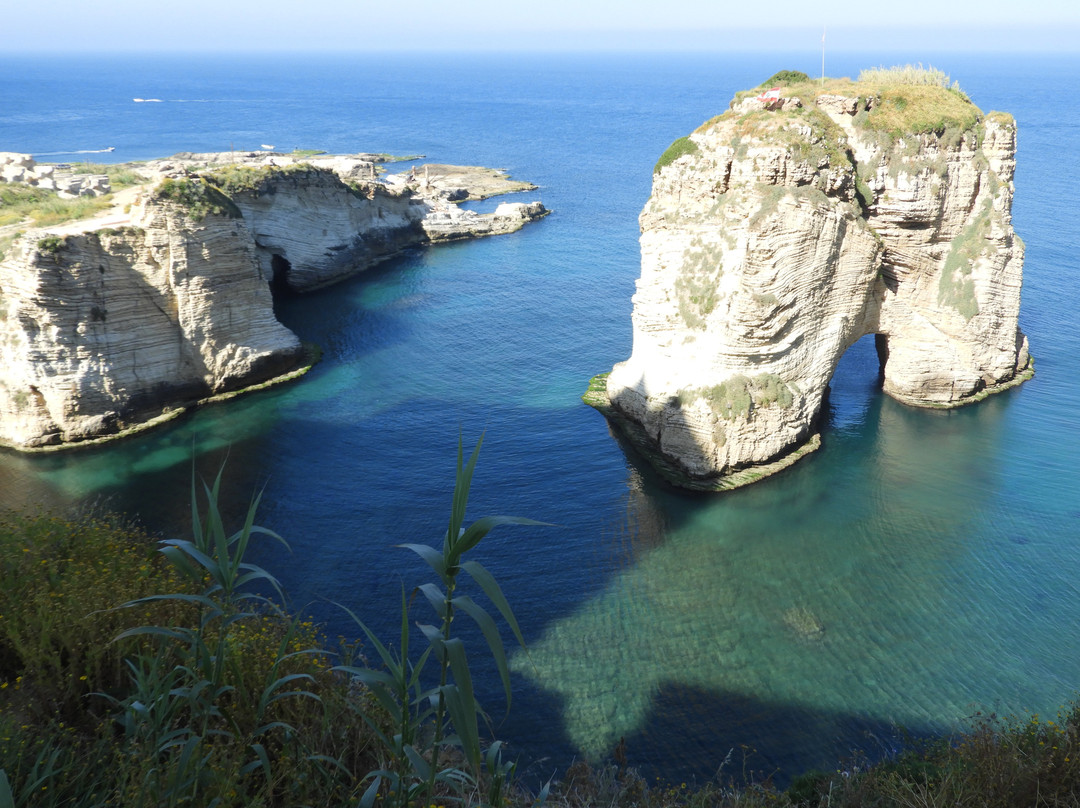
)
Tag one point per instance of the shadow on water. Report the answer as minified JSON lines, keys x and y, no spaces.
{"x":850,"y":599}
{"x":722,"y":734}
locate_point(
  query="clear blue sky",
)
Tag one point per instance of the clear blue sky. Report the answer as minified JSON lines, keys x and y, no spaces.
{"x":466,"y":25}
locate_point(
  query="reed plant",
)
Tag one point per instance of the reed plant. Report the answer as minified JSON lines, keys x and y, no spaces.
{"x":202,"y":691}
{"x":203,"y":730}
{"x":434,"y":746}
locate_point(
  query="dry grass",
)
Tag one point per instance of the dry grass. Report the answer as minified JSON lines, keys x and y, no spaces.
{"x":23,"y":203}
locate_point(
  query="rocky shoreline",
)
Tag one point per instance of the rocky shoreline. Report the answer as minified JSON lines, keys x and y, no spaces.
{"x":113,"y":324}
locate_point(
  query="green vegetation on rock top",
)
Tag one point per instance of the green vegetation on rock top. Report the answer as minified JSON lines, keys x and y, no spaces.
{"x":121,"y":175}
{"x":45,"y":208}
{"x":198,"y":197}
{"x":785,"y":77}
{"x":902,"y":110}
{"x":235,"y":179}
{"x":905,"y":100}
{"x":680,"y":147}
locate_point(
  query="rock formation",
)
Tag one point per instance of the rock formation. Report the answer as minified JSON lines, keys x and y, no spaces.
{"x":781,"y":232}
{"x":104,"y":330}
{"x":25,"y":170}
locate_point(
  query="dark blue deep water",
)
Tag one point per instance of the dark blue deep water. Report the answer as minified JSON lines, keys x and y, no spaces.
{"x":940,"y":550}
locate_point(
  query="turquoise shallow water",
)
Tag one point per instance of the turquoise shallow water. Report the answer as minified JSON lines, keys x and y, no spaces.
{"x":920,"y":566}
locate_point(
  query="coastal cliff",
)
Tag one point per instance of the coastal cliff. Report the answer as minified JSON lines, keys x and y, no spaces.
{"x":782,"y":231}
{"x":106,"y":329}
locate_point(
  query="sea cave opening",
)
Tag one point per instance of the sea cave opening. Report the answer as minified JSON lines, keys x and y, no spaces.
{"x":856,"y":382}
{"x":279,"y":280}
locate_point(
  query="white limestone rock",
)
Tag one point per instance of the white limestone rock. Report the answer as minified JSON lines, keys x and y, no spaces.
{"x":104,"y":331}
{"x":782,"y":235}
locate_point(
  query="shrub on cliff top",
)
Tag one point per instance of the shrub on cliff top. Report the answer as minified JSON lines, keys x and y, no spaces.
{"x":200,"y":198}
{"x":910,"y":75}
{"x":683,"y":145}
{"x":235,"y":179}
{"x":919,"y":109}
{"x":785,"y":77}
{"x":916,"y":100}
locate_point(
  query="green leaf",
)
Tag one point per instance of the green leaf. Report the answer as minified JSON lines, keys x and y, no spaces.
{"x":388,"y":659}
{"x":182,"y":635}
{"x":262,"y":761}
{"x":461,"y":495}
{"x":491,"y":588}
{"x":7,"y":799}
{"x":462,"y":711}
{"x":480,"y":528}
{"x":420,"y":766}
{"x":368,"y":800}
{"x":265,"y":728}
{"x":491,"y":634}
{"x":436,"y":598}
{"x":432,"y":557}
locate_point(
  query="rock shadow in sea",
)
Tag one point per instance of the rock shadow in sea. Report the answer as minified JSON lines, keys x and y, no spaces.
{"x":850,"y":598}
{"x":738,"y":738}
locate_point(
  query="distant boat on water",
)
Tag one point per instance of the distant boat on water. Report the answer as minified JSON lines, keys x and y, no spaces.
{"x":78,"y":151}
{"x":146,"y":100}
{"x":268,"y":148}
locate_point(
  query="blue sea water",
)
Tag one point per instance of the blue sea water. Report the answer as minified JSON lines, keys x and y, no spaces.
{"x":940,"y":551}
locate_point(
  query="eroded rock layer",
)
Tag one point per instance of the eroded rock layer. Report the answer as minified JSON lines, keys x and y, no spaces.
{"x":106,"y":329}
{"x":111,"y":328}
{"x":781,"y":232}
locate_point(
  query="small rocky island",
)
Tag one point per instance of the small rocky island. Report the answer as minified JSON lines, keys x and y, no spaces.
{"x":780,"y":232}
{"x":111,"y":324}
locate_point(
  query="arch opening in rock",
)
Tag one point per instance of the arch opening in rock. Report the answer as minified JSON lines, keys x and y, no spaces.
{"x":856,"y":382}
{"x":279,"y":280}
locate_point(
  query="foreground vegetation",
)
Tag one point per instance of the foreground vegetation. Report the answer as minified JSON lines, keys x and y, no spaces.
{"x":142,"y":673}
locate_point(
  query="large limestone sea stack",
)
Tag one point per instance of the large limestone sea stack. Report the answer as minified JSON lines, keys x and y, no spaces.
{"x":781,"y":232}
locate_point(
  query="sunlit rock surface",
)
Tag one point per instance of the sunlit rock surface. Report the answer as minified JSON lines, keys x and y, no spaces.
{"x":107,"y":329}
{"x":780,"y":233}
{"x":112,"y":324}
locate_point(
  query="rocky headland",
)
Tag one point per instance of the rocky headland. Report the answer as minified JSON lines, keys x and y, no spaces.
{"x":111,"y":324}
{"x":779,"y":233}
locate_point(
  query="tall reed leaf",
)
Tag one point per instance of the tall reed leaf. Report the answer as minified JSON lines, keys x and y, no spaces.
{"x":446,"y":713}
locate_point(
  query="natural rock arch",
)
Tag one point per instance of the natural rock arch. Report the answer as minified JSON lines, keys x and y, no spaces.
{"x":783,"y":231}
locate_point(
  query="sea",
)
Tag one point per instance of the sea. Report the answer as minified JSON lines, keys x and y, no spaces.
{"x":938,"y":552}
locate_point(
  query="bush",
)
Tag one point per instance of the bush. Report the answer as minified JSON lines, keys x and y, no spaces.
{"x":121,"y":175}
{"x":785,"y":77}
{"x":680,"y":147}
{"x":51,"y":245}
{"x":198,"y":691}
{"x":235,"y":179}
{"x":198,"y":197}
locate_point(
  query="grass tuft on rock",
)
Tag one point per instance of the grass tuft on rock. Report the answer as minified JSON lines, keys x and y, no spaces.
{"x":679,"y":148}
{"x":198,"y":197}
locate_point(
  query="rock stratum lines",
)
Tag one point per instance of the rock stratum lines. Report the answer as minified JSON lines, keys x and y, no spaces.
{"x":111,"y":325}
{"x":782,"y":231}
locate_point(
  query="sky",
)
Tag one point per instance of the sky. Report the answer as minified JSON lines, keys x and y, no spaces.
{"x":493,"y":25}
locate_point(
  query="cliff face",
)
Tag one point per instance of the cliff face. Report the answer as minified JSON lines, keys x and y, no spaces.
{"x":783,"y":231}
{"x":321,"y":230}
{"x":109,"y":329}
{"x":312,"y":229}
{"x":103,"y":330}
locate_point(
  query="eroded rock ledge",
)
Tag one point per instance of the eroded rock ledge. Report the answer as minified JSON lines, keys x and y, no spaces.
{"x":113,"y":324}
{"x":781,"y":232}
